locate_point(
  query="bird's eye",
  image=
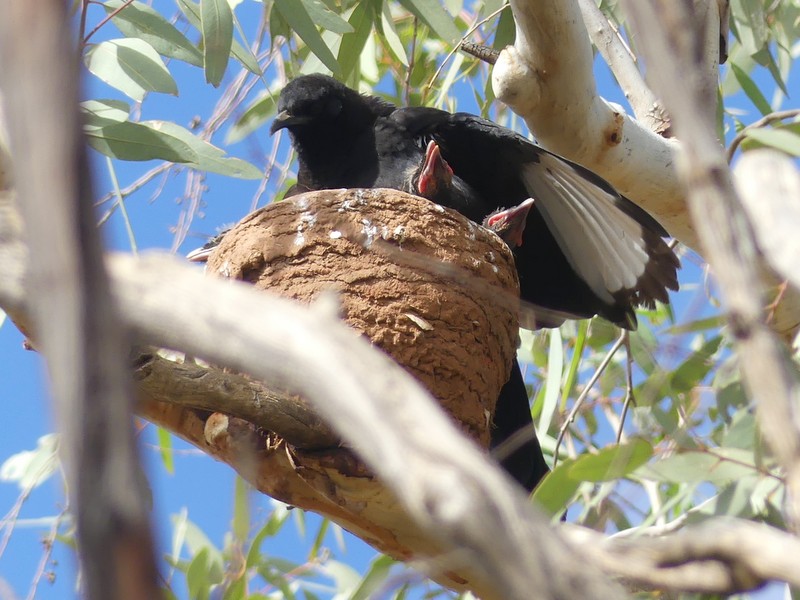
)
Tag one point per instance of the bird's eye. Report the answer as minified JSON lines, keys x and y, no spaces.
{"x":333,"y":107}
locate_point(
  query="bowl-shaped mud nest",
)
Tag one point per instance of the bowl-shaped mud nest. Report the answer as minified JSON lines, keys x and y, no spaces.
{"x":426,"y":285}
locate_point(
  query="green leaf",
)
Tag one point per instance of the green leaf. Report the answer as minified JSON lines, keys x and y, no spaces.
{"x":352,"y":44}
{"x":346,"y":579}
{"x":299,"y":20}
{"x":765,"y":58}
{"x":612,"y":462}
{"x":198,"y":543}
{"x":714,"y":322}
{"x":165,"y":450}
{"x":319,"y":538}
{"x":216,"y":20}
{"x":555,"y":370}
{"x":30,"y":468}
{"x":99,"y":113}
{"x":751,"y":24}
{"x":138,"y":20}
{"x":135,"y":141}
{"x":506,"y":31}
{"x":261,"y":110}
{"x":191,"y":11}
{"x":781,"y":139}
{"x":719,"y":466}
{"x":389,"y":35}
{"x":751,"y":90}
{"x":197,"y":576}
{"x":273,"y":526}
{"x":132,"y":66}
{"x":207,"y":157}
{"x":433,"y":14}
{"x":693,"y":370}
{"x":241,"y":509}
{"x":556,"y":489}
{"x":326,"y":18}
{"x":742,"y":431}
{"x":375,"y":576}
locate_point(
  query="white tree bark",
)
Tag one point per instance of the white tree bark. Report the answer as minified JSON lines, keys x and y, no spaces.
{"x":546,"y":77}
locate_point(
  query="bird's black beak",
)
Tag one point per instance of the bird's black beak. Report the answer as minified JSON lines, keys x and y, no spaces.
{"x":286,"y":120}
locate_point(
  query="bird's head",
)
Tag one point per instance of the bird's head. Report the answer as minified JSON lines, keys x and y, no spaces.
{"x":509,"y":223}
{"x":435,"y":176}
{"x":317,"y":102}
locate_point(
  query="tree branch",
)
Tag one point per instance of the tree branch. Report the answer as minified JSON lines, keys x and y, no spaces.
{"x":671,"y":48}
{"x":546,"y":77}
{"x":70,"y":302}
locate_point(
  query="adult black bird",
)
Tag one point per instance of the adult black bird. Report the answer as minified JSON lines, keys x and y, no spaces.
{"x":587,"y":249}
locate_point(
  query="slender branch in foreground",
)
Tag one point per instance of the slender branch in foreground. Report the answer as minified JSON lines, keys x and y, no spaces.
{"x":669,"y":34}
{"x":70,"y":303}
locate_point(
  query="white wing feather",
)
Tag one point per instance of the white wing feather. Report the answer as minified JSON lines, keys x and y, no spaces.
{"x":602,"y":243}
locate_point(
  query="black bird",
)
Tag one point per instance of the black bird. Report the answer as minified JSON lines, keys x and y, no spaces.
{"x":588,"y":250}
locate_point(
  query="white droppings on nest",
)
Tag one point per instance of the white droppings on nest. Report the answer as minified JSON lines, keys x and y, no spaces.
{"x":495,"y":269}
{"x":369,"y":230}
{"x":335,"y":235}
{"x":353,"y":204}
{"x":490,"y":256}
{"x":225,"y":269}
{"x":301,"y":202}
{"x":438,"y":208}
{"x":399,"y":232}
{"x":308,"y":218}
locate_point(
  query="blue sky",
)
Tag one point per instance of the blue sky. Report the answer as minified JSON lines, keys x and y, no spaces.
{"x":199,"y":485}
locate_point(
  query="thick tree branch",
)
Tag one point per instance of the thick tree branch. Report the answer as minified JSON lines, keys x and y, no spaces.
{"x":546,"y":77}
{"x":702,"y":561}
{"x":671,"y":48}
{"x":620,"y":59}
{"x":70,"y":302}
{"x":721,"y":556}
{"x":215,"y":390}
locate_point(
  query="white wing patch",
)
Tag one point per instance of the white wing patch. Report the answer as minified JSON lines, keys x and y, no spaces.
{"x":603,"y":244}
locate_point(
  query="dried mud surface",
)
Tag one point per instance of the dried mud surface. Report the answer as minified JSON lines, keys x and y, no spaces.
{"x":433,"y":290}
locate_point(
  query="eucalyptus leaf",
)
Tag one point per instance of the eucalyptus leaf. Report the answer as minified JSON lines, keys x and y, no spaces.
{"x":216,"y":20}
{"x":207,"y":156}
{"x":135,"y":141}
{"x":300,"y":21}
{"x":433,"y":14}
{"x":100,"y":113}
{"x":612,"y":462}
{"x":132,"y":66}
{"x":138,"y":20}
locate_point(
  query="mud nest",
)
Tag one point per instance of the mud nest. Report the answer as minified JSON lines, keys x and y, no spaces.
{"x":436,"y":292}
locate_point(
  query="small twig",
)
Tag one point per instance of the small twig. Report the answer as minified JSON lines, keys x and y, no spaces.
{"x":102,"y":22}
{"x":121,"y":203}
{"x":579,"y":402}
{"x":480,"y":51}
{"x":780,"y":115}
{"x":629,"y":396}
{"x":485,"y":53}
{"x":48,"y":552}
